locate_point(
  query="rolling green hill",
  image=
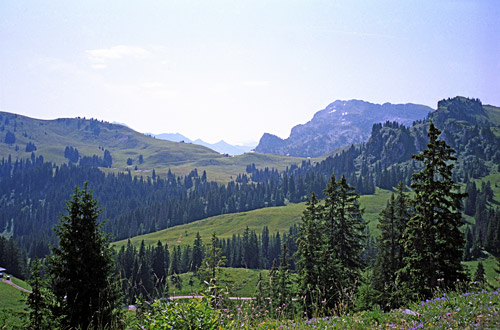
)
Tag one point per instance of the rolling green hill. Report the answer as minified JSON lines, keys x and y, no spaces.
{"x":92,"y":137}
{"x":276,"y":218}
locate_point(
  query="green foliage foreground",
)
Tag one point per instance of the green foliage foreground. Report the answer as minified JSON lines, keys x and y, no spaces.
{"x":469,"y":310}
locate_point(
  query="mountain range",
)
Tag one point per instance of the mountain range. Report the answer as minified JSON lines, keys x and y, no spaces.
{"x":341,"y":123}
{"x":222,"y":146}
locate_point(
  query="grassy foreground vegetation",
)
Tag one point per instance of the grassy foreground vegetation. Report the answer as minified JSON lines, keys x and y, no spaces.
{"x":469,"y":309}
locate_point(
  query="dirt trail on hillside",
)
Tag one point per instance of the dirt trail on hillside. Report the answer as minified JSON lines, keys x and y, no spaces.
{"x":9,"y":282}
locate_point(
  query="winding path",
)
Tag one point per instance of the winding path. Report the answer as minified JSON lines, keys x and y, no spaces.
{"x":9,"y":282}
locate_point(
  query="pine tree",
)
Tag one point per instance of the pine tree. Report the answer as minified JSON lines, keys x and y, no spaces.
{"x":159,"y":267}
{"x":176,"y":260}
{"x":480,"y":275}
{"x":271,"y":288}
{"x":345,"y":238}
{"x":309,"y":253}
{"x":144,"y":274}
{"x":39,"y":301}
{"x":330,"y":243}
{"x":390,"y":248}
{"x":197,"y":253}
{"x":81,"y":268}
{"x":212,"y":263}
{"x":284,"y":283}
{"x":434,"y":242}
{"x":211,"y":266}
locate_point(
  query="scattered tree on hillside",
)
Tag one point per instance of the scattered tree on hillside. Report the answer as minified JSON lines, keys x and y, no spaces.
{"x":480,"y":275}
{"x":10,"y":138}
{"x":197,"y":253}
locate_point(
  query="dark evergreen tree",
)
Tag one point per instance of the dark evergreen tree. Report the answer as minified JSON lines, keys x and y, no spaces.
{"x":469,"y":241}
{"x":480,"y":275}
{"x":81,"y":268}
{"x":39,"y":301}
{"x":10,"y":138}
{"x":309,"y":254}
{"x":285,"y":294}
{"x":433,"y":241}
{"x":159,"y":266}
{"x":197,"y":253}
{"x":107,"y":159}
{"x":390,"y":248}
{"x":265,"y":247}
{"x":345,"y":238}
{"x":30,"y":147}
{"x":470,"y":202}
{"x":144,"y":275}
{"x":176,"y":260}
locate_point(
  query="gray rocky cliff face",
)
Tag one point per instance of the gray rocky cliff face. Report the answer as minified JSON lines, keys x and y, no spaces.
{"x":340,"y":123}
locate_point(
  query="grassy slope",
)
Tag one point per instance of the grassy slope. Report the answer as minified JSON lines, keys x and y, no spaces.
{"x":490,"y":265}
{"x":12,"y":303}
{"x":276,"y":218}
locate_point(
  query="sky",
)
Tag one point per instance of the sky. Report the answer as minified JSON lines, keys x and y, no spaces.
{"x":234,"y":70}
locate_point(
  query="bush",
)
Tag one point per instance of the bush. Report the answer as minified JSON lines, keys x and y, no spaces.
{"x":188,"y":315}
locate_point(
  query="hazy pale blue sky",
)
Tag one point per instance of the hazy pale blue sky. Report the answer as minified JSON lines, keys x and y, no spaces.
{"x":233,"y":70}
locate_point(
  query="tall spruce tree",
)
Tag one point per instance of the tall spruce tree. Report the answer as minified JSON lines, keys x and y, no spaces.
{"x":309,"y":253}
{"x":345,"y":239}
{"x":145,"y":279}
{"x":433,"y":240}
{"x":330,"y":243}
{"x":390,"y":248}
{"x":160,"y":268}
{"x":214,"y":260}
{"x":39,"y":301}
{"x":284,"y":283}
{"x":81,"y":268}
{"x":197,"y":253}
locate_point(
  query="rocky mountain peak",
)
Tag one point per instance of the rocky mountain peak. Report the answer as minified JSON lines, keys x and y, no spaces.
{"x":340,"y":123}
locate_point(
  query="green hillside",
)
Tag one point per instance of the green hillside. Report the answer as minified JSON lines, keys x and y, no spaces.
{"x":92,"y":137}
{"x":12,"y":304}
{"x":276,"y":218}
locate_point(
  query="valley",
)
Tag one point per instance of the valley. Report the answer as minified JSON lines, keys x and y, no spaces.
{"x":172,"y":203}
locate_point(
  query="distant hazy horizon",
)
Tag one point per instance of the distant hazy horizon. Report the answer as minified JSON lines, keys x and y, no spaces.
{"x":232,"y":70}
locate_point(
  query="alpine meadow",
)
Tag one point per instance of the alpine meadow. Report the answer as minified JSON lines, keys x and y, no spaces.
{"x":369,"y":214}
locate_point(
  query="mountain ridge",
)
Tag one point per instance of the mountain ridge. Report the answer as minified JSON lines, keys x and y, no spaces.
{"x":340,"y":123}
{"x":221,"y":147}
